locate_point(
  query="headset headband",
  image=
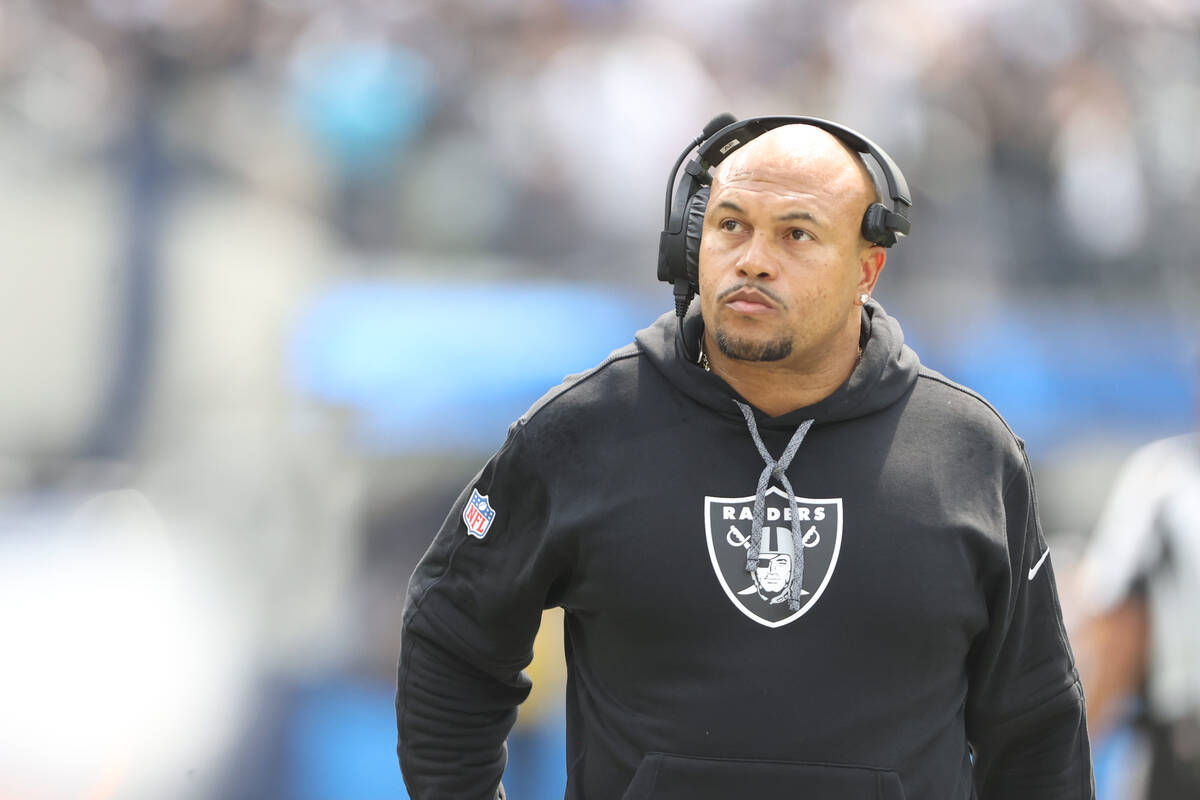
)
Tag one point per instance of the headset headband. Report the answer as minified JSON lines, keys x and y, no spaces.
{"x":725,"y":141}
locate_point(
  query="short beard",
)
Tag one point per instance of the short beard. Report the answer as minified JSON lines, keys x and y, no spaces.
{"x":742,"y":350}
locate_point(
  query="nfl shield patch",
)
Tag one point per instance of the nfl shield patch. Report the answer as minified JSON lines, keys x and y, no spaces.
{"x":785,"y":583}
{"x":478,"y":514}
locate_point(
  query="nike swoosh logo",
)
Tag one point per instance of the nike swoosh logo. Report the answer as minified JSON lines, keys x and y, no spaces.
{"x":1038,"y":565}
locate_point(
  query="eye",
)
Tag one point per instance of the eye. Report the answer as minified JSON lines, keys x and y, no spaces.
{"x":798,"y":235}
{"x":730,"y":225}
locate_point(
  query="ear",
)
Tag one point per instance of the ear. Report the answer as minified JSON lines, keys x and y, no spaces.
{"x":871,"y":261}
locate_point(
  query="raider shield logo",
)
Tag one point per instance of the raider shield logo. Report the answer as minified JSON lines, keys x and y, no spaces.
{"x":763,"y":595}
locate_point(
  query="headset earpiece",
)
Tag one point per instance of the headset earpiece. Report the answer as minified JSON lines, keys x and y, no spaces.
{"x":883,"y":226}
{"x":873,"y":226}
{"x":694,"y":226}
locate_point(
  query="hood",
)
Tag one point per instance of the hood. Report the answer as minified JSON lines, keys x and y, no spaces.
{"x":885,"y":373}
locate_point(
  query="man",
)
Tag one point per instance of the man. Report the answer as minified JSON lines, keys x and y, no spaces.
{"x":1140,"y":648}
{"x":921,"y":652}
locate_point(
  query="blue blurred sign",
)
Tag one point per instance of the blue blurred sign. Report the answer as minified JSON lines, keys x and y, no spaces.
{"x":448,"y":366}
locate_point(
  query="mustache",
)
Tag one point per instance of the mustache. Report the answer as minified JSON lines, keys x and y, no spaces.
{"x":755,"y":287}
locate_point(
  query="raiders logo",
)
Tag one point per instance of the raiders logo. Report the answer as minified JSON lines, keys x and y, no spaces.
{"x":764,"y":594}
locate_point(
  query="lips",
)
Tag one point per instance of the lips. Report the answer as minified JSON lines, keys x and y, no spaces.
{"x":749,"y":301}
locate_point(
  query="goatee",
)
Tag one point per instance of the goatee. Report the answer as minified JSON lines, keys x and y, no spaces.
{"x":743,"y":350}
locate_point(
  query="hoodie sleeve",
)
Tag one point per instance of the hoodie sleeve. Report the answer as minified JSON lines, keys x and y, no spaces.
{"x":1025,"y":706}
{"x":473,"y":608}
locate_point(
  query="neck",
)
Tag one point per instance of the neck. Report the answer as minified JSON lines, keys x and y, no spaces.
{"x":777,"y":387}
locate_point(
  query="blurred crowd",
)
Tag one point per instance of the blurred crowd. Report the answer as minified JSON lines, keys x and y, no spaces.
{"x":204,"y":548}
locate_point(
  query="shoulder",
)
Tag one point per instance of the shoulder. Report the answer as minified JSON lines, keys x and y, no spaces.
{"x":1166,"y":455}
{"x":955,"y":404}
{"x":614,"y":398}
{"x":595,"y":418}
{"x":1161,"y":469}
{"x":961,"y":424}
{"x":594,"y":390}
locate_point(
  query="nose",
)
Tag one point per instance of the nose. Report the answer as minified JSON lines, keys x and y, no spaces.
{"x":756,"y":259}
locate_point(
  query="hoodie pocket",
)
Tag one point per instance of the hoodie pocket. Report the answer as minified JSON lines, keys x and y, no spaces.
{"x":665,"y":776}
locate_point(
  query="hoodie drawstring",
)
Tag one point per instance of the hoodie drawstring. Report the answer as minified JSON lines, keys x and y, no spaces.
{"x":776,"y":468}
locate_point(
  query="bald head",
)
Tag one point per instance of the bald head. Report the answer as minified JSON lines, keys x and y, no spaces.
{"x":783,"y":266}
{"x":800,"y":156}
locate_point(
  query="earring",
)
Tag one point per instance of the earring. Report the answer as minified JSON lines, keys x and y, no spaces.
{"x":863,"y":298}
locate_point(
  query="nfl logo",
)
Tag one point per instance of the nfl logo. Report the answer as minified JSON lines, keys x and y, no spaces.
{"x":478,"y":514}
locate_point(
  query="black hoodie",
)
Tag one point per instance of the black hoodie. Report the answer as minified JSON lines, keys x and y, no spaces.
{"x":902,"y":639}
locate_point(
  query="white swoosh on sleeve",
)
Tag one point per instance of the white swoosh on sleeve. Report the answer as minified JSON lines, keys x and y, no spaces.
{"x":1034,"y":570}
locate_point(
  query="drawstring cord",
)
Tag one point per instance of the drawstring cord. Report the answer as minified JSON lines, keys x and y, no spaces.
{"x":775,"y":469}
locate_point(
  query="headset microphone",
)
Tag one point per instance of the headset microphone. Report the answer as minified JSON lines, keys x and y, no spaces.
{"x":715,"y":124}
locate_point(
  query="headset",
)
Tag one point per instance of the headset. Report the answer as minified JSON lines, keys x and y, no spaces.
{"x":683,"y":218}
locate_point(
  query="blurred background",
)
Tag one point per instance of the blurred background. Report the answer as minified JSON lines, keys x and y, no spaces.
{"x":276,"y":275}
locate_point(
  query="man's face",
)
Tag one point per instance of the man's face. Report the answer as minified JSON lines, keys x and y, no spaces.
{"x":781,"y":255}
{"x":774,"y":572}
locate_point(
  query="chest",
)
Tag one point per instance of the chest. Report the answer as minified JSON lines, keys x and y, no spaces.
{"x":872,"y":544}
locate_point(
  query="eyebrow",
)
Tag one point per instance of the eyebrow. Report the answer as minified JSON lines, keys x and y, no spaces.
{"x":791,"y":215}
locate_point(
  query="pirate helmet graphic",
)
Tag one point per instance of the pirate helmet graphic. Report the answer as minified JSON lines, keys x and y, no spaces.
{"x":776,"y":562}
